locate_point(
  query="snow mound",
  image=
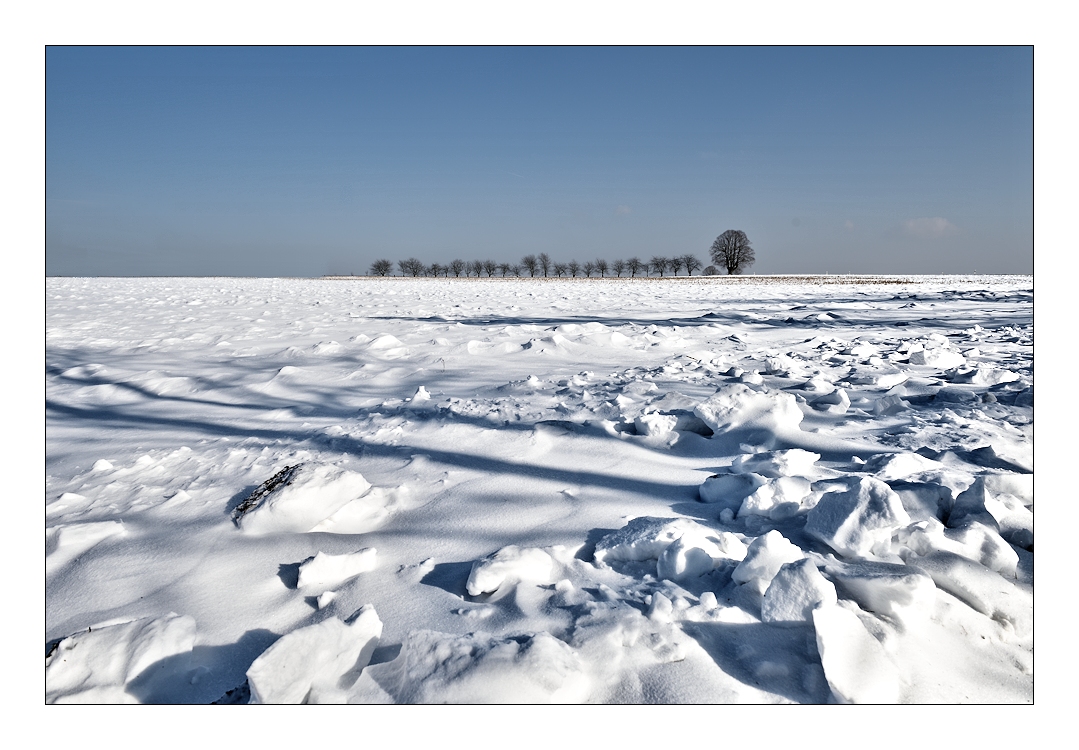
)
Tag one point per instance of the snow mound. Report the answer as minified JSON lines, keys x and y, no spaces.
{"x":739,"y":408}
{"x":510,"y":565}
{"x":776,"y":498}
{"x":855,"y":664}
{"x":66,"y":542}
{"x":298,"y":498}
{"x":795,"y":591}
{"x":698,"y":551}
{"x":385,"y":342}
{"x":973,"y":540}
{"x":788,"y":463}
{"x":330,"y":570}
{"x":988,"y":501}
{"x":729,"y":489}
{"x":655,"y":425}
{"x":982,"y":589}
{"x":313,"y":664}
{"x":681,"y":548}
{"x":364,"y":514}
{"x":478,"y":668}
{"x":942,"y":359}
{"x":643,"y":538}
{"x":98,"y":665}
{"x":836,"y":402}
{"x":765,"y":556}
{"x":893,"y":590}
{"x":858,"y":521}
{"x":891,"y":467}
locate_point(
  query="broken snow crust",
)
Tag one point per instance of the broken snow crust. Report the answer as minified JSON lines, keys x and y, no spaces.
{"x":618,"y":490}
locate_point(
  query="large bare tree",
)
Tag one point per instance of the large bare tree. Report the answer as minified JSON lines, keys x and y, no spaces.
{"x":733,"y":251}
{"x":530,"y":263}
{"x":544,"y":261}
{"x":381,"y":267}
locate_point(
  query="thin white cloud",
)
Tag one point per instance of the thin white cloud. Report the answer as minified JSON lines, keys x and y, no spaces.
{"x":929,"y":229}
{"x":622,"y":211}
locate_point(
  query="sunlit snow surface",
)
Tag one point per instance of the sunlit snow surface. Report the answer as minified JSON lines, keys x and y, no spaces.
{"x":648,"y":490}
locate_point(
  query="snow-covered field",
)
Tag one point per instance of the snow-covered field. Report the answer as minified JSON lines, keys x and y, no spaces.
{"x":713,"y":490}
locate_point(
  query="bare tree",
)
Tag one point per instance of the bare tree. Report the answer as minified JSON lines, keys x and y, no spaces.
{"x":560,"y":269}
{"x":436,"y":269}
{"x":457,"y":266}
{"x":690,"y":263}
{"x":411,"y":266}
{"x":589,"y":268}
{"x":601,"y":266}
{"x":674,"y":264}
{"x":476,"y":267}
{"x":381,"y":267}
{"x":733,"y":251}
{"x":504,"y":268}
{"x":618,"y":266}
{"x":634,"y":265}
{"x":658,"y":264}
{"x":710,"y":271}
{"x":530,"y":263}
{"x":490,"y":267}
{"x":574,"y":268}
{"x":544,"y":263}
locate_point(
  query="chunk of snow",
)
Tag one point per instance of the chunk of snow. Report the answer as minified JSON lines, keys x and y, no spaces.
{"x":696,"y":552}
{"x":836,"y":402}
{"x":655,"y":425}
{"x":855,"y":664}
{"x":96,"y":666}
{"x":736,"y":406}
{"x":788,"y":463}
{"x":982,"y":589}
{"x":510,"y":565}
{"x":312,"y":495}
{"x":729,"y":489}
{"x":643,"y":538}
{"x":891,"y":467}
{"x":309,"y":663}
{"x":777,"y":497}
{"x":854,"y":522}
{"x":795,"y":591}
{"x":942,"y":359}
{"x":887,"y":405}
{"x":765,"y":556}
{"x":330,"y":570}
{"x":479,"y":668}
{"x":365,"y":513}
{"x":973,"y":540}
{"x":888,"y":589}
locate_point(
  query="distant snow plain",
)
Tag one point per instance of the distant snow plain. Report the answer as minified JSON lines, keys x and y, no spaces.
{"x":719,"y":490}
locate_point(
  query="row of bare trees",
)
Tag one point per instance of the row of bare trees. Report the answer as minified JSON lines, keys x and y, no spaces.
{"x":542,"y":265}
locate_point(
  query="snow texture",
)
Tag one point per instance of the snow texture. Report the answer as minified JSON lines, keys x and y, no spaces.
{"x":678,"y":490}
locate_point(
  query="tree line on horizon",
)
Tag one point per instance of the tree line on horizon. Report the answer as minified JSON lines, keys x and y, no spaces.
{"x":731,"y":251}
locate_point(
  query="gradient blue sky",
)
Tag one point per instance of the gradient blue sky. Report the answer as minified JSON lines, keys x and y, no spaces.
{"x":307,"y":161}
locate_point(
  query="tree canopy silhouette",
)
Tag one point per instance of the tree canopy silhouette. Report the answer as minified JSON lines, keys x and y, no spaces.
{"x":733,"y":251}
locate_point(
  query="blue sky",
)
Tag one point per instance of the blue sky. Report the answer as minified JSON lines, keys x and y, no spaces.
{"x":307,"y":161}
